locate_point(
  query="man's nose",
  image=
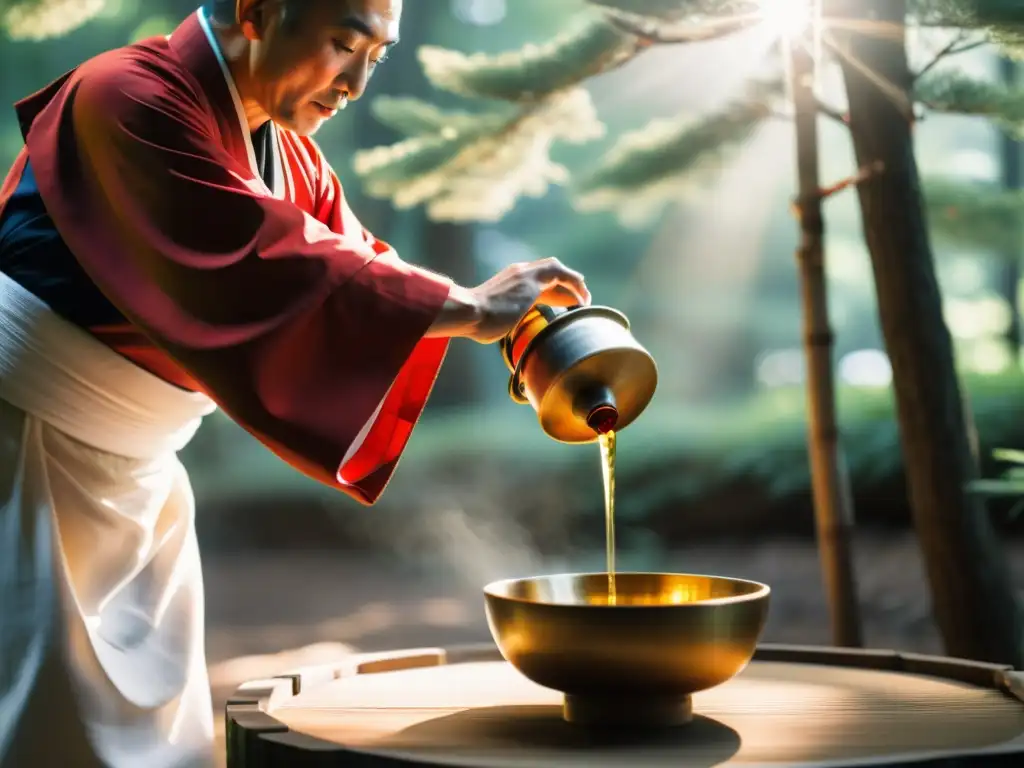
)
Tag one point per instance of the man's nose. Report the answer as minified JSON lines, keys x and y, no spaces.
{"x":353,"y":78}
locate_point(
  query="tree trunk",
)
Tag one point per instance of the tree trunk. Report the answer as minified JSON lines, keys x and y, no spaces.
{"x":1013,"y":179}
{"x":973,"y":599}
{"x":833,"y":504}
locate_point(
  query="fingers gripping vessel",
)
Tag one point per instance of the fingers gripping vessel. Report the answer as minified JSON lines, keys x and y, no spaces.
{"x":581,"y":370}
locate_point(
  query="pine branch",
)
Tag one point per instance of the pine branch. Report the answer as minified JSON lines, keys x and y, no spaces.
{"x":41,"y":19}
{"x":1009,"y":483}
{"x":1004,"y":20}
{"x":959,"y":44}
{"x":1010,"y":42}
{"x":648,"y":168}
{"x":594,"y":44}
{"x":941,"y":13}
{"x":653,"y":32}
{"x":479,"y":171}
{"x":867,"y":173}
{"x":414,"y":117}
{"x":968,"y":14}
{"x":590,"y":46}
{"x":422,"y":154}
{"x":959,"y":93}
{"x":674,"y":10}
{"x":973,"y":215}
{"x":1001,"y":21}
{"x":833,"y":114}
{"x":997,"y":13}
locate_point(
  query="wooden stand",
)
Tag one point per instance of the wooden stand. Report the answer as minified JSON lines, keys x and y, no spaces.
{"x":793,"y":706}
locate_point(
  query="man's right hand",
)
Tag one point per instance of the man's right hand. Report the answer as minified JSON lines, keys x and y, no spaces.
{"x":489,"y":311}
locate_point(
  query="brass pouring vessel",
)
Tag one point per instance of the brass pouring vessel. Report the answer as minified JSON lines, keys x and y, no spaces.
{"x":580,"y":368}
{"x":634,"y":663}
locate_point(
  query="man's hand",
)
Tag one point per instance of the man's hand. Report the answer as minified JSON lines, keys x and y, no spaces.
{"x":489,"y":311}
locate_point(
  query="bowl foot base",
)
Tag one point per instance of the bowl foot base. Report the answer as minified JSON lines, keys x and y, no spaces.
{"x":628,"y":712}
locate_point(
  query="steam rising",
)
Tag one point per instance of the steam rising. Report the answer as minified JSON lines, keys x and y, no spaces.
{"x":466,"y":529}
{"x":483,"y":549}
{"x":477,"y":547}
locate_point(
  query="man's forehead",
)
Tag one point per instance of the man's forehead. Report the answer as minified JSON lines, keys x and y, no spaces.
{"x":375,"y":18}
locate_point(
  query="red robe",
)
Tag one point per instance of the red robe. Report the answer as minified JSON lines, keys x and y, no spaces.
{"x":286,"y":312}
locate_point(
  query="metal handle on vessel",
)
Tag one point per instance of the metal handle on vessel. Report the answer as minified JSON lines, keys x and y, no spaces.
{"x":515,"y":385}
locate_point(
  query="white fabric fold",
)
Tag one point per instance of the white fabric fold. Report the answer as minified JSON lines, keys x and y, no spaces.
{"x":101,"y":594}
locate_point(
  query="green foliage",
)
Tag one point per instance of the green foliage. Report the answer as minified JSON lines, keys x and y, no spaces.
{"x":449,"y":160}
{"x":997,"y":13}
{"x":1009,"y":484}
{"x":976,"y":215}
{"x":415,"y":117}
{"x":674,"y":10}
{"x":41,"y":19}
{"x":587,"y":47}
{"x":958,"y":93}
{"x":1011,"y":43}
{"x":1001,"y":21}
{"x":476,"y":170}
{"x":474,"y":167}
{"x":667,"y":159}
{"x":964,"y":213}
{"x":673,"y":460}
{"x":970,"y":14}
{"x":935,"y":13}
{"x":647,"y":168}
{"x":1005,"y":22}
{"x":424,"y":152}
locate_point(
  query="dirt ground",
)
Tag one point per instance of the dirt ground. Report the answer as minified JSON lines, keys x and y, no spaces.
{"x":268,"y":613}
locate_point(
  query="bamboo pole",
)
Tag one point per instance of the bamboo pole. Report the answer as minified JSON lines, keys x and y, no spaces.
{"x":830,"y":484}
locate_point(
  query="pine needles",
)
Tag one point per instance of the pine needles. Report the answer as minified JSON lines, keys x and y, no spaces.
{"x":41,"y":19}
{"x":474,"y":165}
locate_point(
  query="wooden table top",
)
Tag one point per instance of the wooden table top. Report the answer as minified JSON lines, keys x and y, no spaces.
{"x":773,"y":713}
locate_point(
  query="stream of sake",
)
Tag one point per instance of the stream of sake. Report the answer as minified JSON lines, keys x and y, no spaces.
{"x":607,"y":443}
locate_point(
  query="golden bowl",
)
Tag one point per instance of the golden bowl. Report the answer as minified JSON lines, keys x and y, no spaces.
{"x":634,"y":662}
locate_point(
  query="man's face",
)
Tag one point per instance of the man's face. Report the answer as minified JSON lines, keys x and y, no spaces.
{"x":310,"y":57}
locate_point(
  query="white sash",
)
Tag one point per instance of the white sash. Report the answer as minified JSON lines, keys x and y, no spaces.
{"x":76,"y":384}
{"x":101,"y":604}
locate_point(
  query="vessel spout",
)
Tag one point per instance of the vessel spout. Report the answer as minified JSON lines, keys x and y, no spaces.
{"x":597,"y":406}
{"x":603,"y":419}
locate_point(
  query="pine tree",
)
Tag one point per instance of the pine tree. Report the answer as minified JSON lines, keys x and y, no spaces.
{"x":473,"y":165}
{"x":974,"y":602}
{"x":530,"y":99}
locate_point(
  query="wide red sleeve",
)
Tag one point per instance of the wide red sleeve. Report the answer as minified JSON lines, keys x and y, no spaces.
{"x":373,"y":459}
{"x":298,"y":332}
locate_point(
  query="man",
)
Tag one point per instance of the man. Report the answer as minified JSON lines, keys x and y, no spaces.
{"x":170,"y":239}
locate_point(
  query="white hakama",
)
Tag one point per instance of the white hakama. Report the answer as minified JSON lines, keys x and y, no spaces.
{"x":102,"y":658}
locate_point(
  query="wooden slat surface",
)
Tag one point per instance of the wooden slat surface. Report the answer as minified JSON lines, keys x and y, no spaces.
{"x":487,"y":714}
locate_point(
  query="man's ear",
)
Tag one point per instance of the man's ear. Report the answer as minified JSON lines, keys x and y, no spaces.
{"x":253,"y":17}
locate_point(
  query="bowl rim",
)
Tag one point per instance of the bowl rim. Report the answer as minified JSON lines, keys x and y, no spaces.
{"x":762,"y":591}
